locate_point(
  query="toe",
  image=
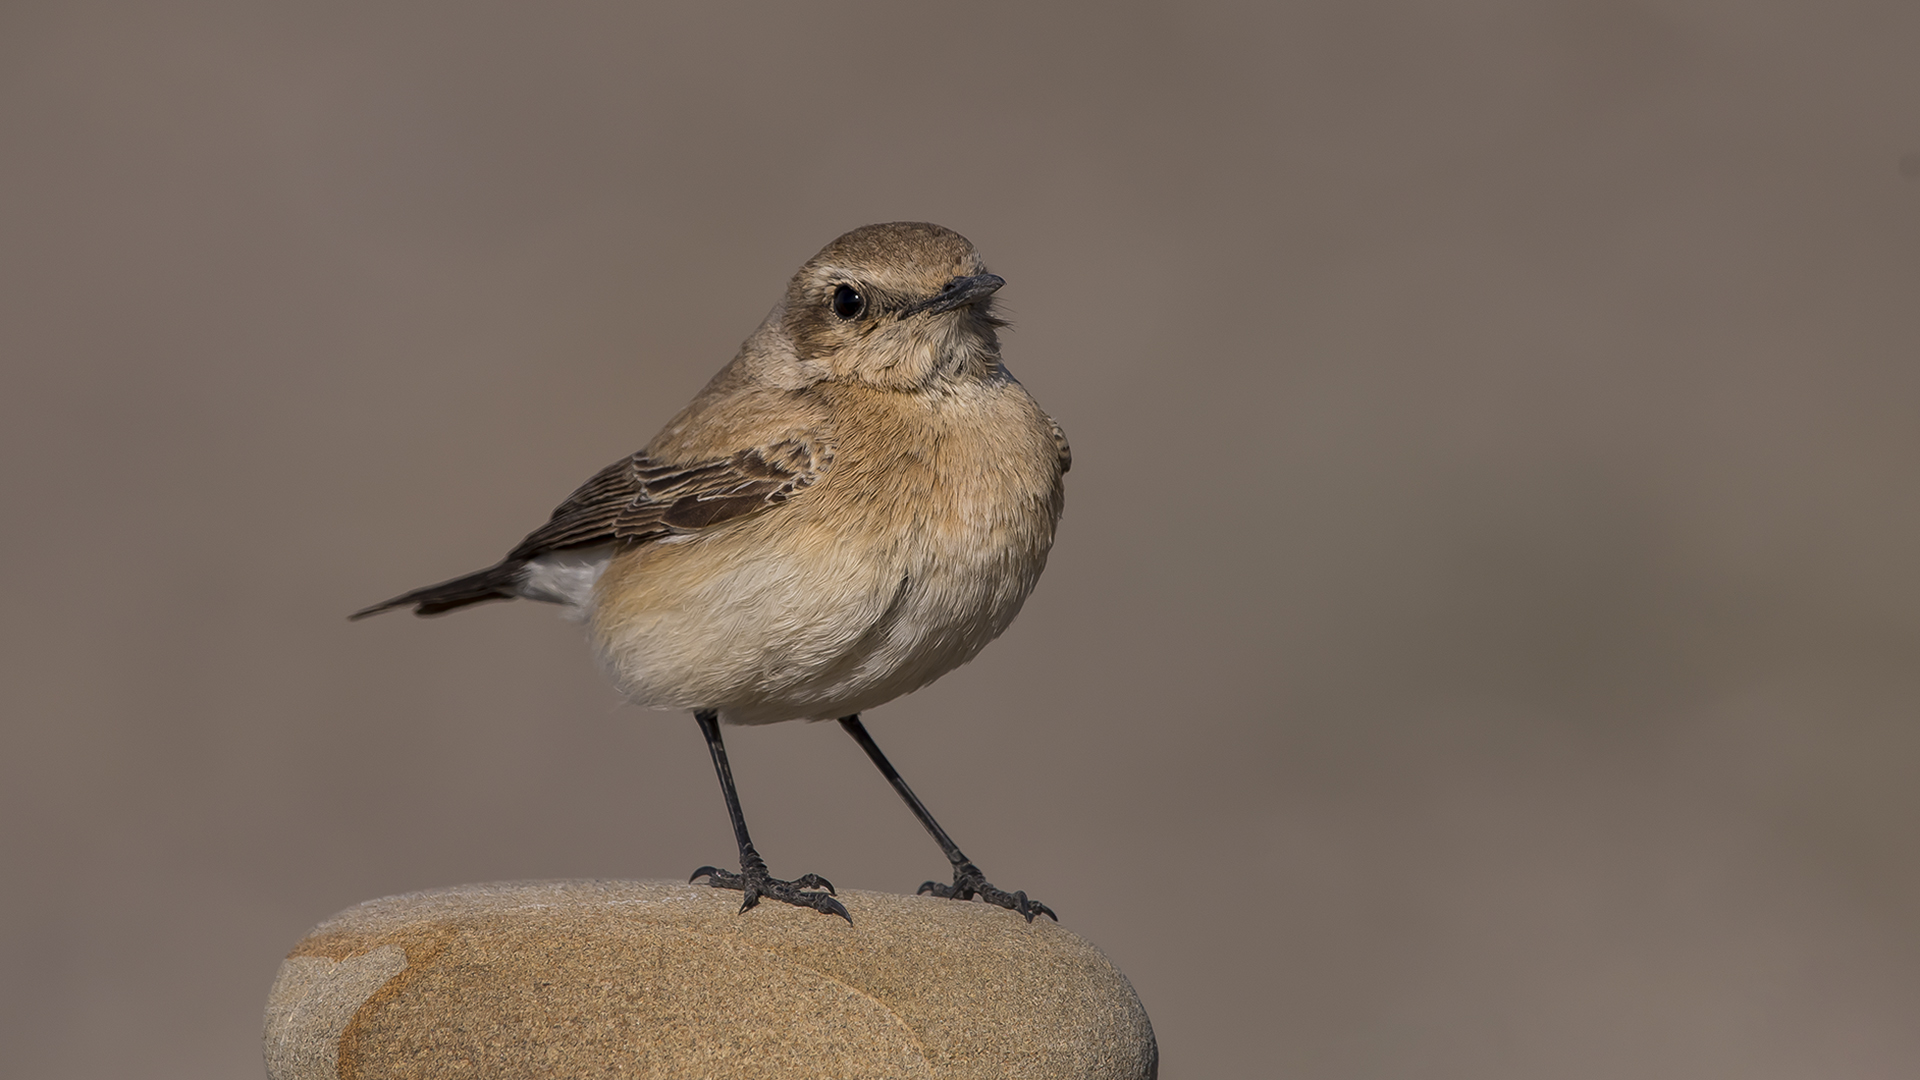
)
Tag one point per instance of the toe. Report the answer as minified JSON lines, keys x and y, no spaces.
{"x":828,"y":905}
{"x":813,"y":881}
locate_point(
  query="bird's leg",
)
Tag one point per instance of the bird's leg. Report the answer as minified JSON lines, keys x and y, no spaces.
{"x":753,"y":878}
{"x":968,"y":881}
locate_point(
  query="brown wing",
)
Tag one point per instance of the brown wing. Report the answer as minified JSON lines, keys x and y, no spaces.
{"x":637,"y":499}
{"x":1060,"y":446}
{"x":640,"y":499}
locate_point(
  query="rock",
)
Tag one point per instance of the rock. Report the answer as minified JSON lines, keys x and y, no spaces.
{"x":640,"y":978}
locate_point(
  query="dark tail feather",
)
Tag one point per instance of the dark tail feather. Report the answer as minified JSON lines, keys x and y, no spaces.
{"x":493,"y":583}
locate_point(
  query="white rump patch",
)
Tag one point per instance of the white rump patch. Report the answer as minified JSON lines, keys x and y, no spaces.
{"x":565,"y":577}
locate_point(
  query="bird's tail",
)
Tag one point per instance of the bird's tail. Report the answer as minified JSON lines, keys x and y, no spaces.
{"x":493,"y":583}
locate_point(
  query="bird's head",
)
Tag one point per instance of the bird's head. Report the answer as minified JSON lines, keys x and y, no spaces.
{"x":903,"y":306}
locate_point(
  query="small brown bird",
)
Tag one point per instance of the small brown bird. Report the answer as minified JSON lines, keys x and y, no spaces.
{"x":852,"y":508}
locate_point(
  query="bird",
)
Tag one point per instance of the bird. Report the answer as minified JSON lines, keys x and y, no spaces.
{"x":854,"y":506}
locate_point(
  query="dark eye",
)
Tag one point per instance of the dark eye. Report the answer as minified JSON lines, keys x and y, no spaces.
{"x":848,"y":303}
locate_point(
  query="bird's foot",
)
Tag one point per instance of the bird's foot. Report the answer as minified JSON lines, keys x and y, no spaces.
{"x":969,"y":882}
{"x":754,"y":880}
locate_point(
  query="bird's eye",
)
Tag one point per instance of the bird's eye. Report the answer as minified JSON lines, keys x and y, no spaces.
{"x":848,"y":303}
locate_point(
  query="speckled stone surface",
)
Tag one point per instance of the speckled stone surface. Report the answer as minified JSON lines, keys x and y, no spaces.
{"x":655,"y":979}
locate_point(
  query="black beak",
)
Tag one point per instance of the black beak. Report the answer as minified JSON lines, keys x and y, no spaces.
{"x":957,"y":293}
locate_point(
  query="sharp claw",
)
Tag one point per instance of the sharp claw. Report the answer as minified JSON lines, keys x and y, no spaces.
{"x":968,"y":883}
{"x":757,"y":885}
{"x":814,"y":881}
{"x":1031,"y":908}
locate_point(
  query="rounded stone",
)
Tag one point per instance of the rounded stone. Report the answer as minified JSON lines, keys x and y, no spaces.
{"x":643,"y":978}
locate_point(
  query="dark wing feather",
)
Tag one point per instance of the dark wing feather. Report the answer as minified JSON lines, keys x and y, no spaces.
{"x":639,"y":499}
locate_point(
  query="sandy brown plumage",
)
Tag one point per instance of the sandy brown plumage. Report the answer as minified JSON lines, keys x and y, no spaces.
{"x":853,"y":507}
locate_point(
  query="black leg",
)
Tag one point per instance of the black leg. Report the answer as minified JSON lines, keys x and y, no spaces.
{"x":753,"y":878}
{"x":968,"y":881}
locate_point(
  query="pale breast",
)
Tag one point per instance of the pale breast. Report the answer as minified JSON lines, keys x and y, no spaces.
{"x":917,"y":548}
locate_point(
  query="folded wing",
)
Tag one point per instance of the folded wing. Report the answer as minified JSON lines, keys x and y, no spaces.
{"x":633,"y":501}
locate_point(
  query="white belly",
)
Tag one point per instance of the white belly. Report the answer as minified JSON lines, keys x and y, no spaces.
{"x":772,"y":621}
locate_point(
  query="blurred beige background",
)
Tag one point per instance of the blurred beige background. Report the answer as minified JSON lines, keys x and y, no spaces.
{"x":1483,"y":637}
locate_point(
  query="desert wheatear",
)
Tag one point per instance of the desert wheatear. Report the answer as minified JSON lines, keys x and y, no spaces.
{"x":852,"y":508}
